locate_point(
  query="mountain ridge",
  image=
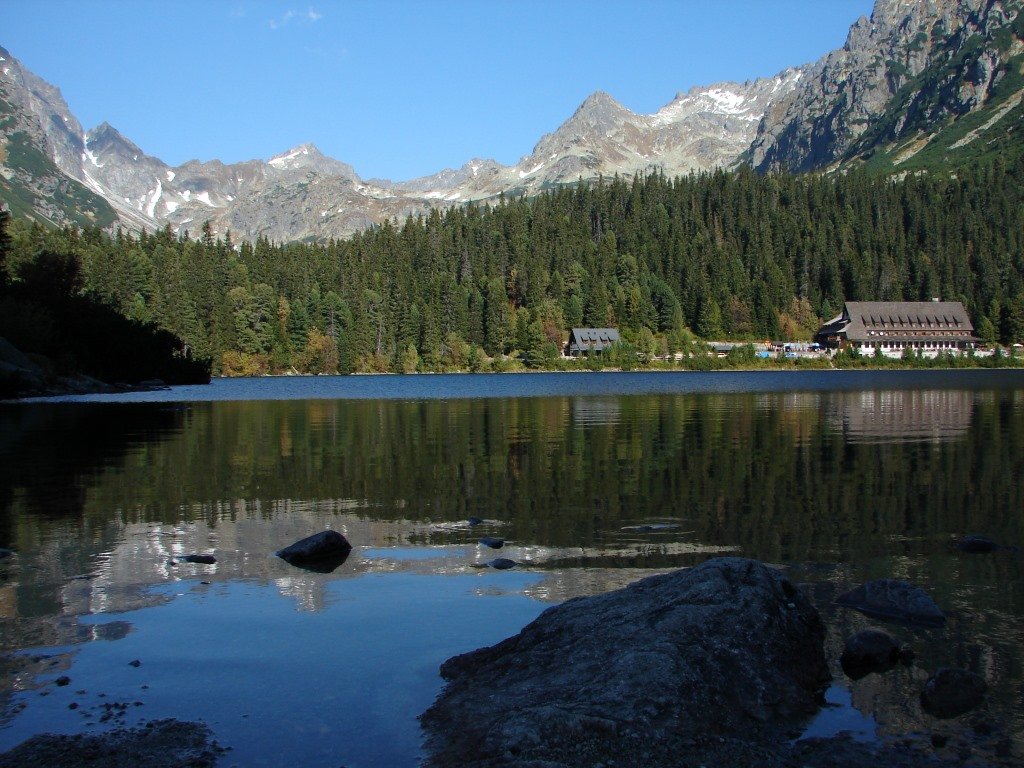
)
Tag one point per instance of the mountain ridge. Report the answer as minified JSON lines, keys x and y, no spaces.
{"x":912,"y":72}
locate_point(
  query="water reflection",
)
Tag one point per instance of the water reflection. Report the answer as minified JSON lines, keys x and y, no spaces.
{"x":100,"y":502}
{"x":901,"y":415}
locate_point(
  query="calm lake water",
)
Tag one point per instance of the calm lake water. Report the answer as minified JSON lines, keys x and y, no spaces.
{"x":594,"y":480}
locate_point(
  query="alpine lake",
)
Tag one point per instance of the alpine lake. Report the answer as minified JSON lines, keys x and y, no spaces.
{"x":593,"y":480}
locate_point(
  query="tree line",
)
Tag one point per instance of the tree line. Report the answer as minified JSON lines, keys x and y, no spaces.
{"x":721,"y":255}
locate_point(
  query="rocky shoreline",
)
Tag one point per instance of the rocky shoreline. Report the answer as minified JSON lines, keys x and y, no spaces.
{"x":719,"y":665}
{"x":722,"y":664}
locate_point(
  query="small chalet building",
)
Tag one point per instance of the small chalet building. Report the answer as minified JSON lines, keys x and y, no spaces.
{"x":931,"y":327}
{"x":583,"y":341}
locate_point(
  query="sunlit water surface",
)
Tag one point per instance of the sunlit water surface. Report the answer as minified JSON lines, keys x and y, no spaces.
{"x":594,"y":480}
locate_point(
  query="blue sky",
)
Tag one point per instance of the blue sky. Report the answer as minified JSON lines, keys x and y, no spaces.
{"x":396,"y":89}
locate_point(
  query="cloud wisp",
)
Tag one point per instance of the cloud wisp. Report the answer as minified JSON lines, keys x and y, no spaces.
{"x":309,"y":16}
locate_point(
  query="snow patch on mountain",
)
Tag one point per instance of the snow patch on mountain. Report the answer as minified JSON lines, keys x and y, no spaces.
{"x":282,"y":161}
{"x":154,"y":196}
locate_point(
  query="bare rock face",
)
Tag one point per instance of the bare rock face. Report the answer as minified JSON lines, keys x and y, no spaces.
{"x":668,"y":664}
{"x":906,"y":70}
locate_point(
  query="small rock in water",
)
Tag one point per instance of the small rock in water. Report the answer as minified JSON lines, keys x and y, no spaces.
{"x":493,"y":543}
{"x":870,"y":650}
{"x":502,"y":563}
{"x":951,"y":692}
{"x":63,"y":680}
{"x":474,"y":521}
{"x":976,"y":545}
{"x":321,"y":552}
{"x":134,"y":663}
{"x":204,"y":559}
{"x":894,"y":599}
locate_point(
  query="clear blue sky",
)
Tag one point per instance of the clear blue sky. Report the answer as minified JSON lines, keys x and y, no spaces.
{"x":397,"y":89}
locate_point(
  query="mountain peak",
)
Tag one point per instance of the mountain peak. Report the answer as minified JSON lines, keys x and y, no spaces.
{"x":105,"y":138}
{"x":601,"y":103}
{"x":308,"y":157}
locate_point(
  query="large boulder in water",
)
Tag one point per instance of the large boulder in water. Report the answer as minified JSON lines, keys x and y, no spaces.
{"x":870,"y":650}
{"x":660,"y":667}
{"x":322,"y":552}
{"x":894,"y":599}
{"x":951,"y":692}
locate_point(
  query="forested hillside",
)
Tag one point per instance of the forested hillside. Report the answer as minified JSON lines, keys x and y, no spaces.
{"x":724,"y":255}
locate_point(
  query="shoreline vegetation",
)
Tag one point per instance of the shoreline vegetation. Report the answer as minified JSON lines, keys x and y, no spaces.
{"x":728,"y":256}
{"x":30,"y":381}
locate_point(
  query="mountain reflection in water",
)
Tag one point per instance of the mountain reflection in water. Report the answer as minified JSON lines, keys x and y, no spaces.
{"x":100,"y":502}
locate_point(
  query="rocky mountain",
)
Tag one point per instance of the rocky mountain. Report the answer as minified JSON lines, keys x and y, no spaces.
{"x":922,"y":83}
{"x":302,"y":194}
{"x":37,"y":143}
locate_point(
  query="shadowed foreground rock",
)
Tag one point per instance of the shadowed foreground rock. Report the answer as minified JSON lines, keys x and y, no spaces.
{"x":157,"y":744}
{"x":673,"y":665}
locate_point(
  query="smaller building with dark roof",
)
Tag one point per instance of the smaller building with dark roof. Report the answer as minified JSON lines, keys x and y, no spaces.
{"x":583,"y":341}
{"x":930,"y":327}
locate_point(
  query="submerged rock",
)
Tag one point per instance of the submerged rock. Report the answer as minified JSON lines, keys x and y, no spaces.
{"x":728,"y":647}
{"x":870,"y":650}
{"x":321,"y":552}
{"x":951,"y":692}
{"x":894,"y":599}
{"x":649,"y":527}
{"x":204,"y":559}
{"x":977,"y":545}
{"x":493,"y":543}
{"x":502,"y":563}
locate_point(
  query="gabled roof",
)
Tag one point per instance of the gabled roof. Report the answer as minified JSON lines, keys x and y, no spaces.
{"x":596,"y":339}
{"x":863,"y":318}
{"x":595,"y":335}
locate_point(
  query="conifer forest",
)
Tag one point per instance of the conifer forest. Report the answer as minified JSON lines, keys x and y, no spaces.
{"x":728,"y":255}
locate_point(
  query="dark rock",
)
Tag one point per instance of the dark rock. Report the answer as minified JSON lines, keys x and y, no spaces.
{"x":63,"y":680}
{"x":951,"y":692}
{"x":976,"y":545}
{"x":493,"y":543}
{"x":502,"y":563}
{"x":134,"y":663}
{"x":842,"y":751}
{"x":894,"y":599}
{"x":474,"y":521}
{"x":728,"y":647}
{"x":322,"y":552}
{"x":870,"y":650}
{"x":204,"y":559}
{"x":156,"y":744}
